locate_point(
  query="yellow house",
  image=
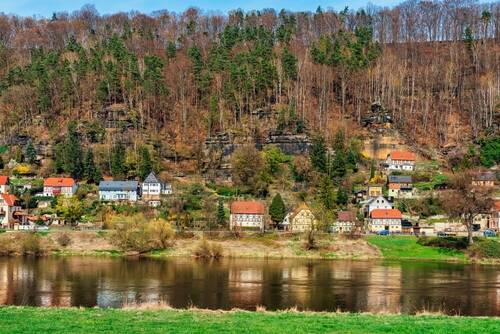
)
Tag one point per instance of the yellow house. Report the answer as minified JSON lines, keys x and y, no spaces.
{"x":375,"y":190}
{"x":302,"y":219}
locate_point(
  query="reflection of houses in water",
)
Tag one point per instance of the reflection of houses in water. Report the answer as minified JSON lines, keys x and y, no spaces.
{"x":245,"y":286}
{"x":384,"y":291}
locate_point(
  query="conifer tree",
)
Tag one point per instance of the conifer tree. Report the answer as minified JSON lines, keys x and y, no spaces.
{"x":318,"y":154}
{"x":73,"y":153}
{"x":277,"y":209}
{"x":326,"y":194}
{"x":145,"y":165}
{"x":118,"y":168}
{"x":342,"y":197}
{"x":221,"y":216}
{"x":92,"y":172}
{"x":30,"y":152}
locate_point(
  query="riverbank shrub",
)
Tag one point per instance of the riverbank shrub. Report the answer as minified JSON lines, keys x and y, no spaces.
{"x":206,"y":249}
{"x":63,"y":239}
{"x":485,"y":248}
{"x":444,"y":242}
{"x":30,"y":244}
{"x":138,"y":234}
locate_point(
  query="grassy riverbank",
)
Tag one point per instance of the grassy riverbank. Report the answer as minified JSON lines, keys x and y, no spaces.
{"x":72,"y":320}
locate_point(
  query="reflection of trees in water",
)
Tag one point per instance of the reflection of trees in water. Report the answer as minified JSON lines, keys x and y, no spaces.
{"x":276,"y":284}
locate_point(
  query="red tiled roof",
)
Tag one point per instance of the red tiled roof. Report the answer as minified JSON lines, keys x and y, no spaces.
{"x":9,"y":199}
{"x":394,"y":186}
{"x":3,"y":180}
{"x":247,"y":207}
{"x":58,"y":182}
{"x":497,"y":205}
{"x":346,"y":216}
{"x":386,"y":214}
{"x":402,"y":155}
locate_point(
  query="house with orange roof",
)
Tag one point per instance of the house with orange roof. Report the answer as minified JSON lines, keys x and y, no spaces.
{"x":400,"y":160}
{"x":4,"y":184}
{"x":385,"y":219}
{"x":300,"y":220}
{"x":246,"y":215}
{"x":59,"y":186}
{"x":7,"y":209}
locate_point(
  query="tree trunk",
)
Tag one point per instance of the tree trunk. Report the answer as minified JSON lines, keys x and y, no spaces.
{"x":469,"y":233}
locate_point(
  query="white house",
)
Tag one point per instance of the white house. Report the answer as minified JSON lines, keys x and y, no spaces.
{"x":247,"y":215}
{"x":302,"y":219}
{"x":153,"y":188}
{"x":400,"y":160}
{"x":55,"y":186}
{"x":4,"y":184}
{"x":385,"y":219}
{"x":379,"y":202}
{"x":118,"y":191}
{"x":7,"y":209}
{"x":346,"y":222}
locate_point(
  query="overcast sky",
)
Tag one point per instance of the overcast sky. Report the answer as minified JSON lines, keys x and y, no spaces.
{"x":47,"y":7}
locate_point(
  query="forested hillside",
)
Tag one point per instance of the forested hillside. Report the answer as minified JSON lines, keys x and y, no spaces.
{"x":171,"y":80}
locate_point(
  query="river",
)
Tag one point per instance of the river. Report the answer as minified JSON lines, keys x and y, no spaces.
{"x":316,"y":285}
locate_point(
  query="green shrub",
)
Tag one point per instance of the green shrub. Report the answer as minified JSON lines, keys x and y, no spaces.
{"x":485,"y":248}
{"x":444,"y":242}
{"x":207,"y":250}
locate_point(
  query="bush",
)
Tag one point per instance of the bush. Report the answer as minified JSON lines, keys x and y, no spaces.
{"x":310,"y":243}
{"x":63,"y":239}
{"x":485,"y":248}
{"x":136,"y":233}
{"x":444,"y":242}
{"x":7,"y":247}
{"x":30,"y":244}
{"x":207,"y":250}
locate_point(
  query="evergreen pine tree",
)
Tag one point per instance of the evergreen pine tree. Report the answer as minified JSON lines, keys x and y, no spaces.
{"x":338,"y":143}
{"x":342,"y":196}
{"x":118,"y":168}
{"x":73,"y":153}
{"x":91,"y":172}
{"x":145,"y":165}
{"x":338,"y":166}
{"x":326,"y":193}
{"x":221,"y":216}
{"x":277,"y":209}
{"x":2,"y":165}
{"x":318,"y":154}
{"x":30,"y":153}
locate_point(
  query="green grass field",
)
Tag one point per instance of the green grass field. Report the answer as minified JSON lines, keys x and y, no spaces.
{"x":406,"y":247}
{"x":61,"y":320}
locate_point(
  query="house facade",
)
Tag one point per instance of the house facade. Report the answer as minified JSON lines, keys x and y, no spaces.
{"x":7,"y":209}
{"x":246,"y":215}
{"x":4,"y":184}
{"x":302,"y":219}
{"x":400,"y":186}
{"x":59,"y":186}
{"x":379,"y":202}
{"x":117,"y":191}
{"x":375,"y":190}
{"x":400,"y":160}
{"x":484,"y":179}
{"x":152,"y":189}
{"x":385,"y":219}
{"x":345,"y":223}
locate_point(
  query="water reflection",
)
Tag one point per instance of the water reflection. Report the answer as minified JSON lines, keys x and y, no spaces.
{"x":406,"y":287}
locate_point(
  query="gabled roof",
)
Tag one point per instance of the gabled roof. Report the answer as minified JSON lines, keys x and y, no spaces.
{"x":4,"y":180}
{"x":484,"y":176}
{"x":151,"y":178}
{"x":59,"y":182}
{"x":118,"y":185}
{"x":9,"y":199}
{"x":247,"y":207}
{"x":373,"y":199}
{"x":346,"y":216}
{"x":386,"y":214}
{"x":298,"y":209}
{"x":400,"y":179}
{"x":402,"y":155}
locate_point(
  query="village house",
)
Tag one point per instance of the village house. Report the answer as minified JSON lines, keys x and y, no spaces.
{"x":300,"y":220}
{"x":496,"y":215}
{"x":4,"y":184}
{"x":385,"y":219}
{"x":246,"y":215}
{"x":400,"y":160}
{"x":345,"y":223}
{"x":126,"y":191}
{"x":375,"y":190}
{"x":56,"y":186}
{"x":400,"y":186}
{"x":7,"y":209}
{"x":153,"y":188}
{"x":379,"y":202}
{"x":484,"y":179}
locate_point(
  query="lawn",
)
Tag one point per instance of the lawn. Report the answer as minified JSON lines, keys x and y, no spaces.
{"x":64,"y":320}
{"x":406,"y":247}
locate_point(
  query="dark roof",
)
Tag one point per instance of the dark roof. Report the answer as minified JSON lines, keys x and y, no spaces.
{"x":152,"y":178}
{"x":118,"y":185}
{"x":346,"y":216}
{"x":485,"y":176}
{"x":400,"y":179}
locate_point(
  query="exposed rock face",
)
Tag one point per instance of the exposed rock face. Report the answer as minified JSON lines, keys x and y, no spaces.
{"x":290,"y":144}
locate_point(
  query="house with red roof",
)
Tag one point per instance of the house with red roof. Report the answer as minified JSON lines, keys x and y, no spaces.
{"x":400,"y":160}
{"x":7,"y":209}
{"x":4,"y":184}
{"x":59,"y":186}
{"x":247,"y":215}
{"x":385,"y":219}
{"x":345,"y":223}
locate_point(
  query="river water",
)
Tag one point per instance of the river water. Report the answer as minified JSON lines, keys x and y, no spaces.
{"x":316,"y":285}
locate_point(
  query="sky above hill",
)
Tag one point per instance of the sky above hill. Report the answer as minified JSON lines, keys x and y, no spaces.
{"x":47,"y":7}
